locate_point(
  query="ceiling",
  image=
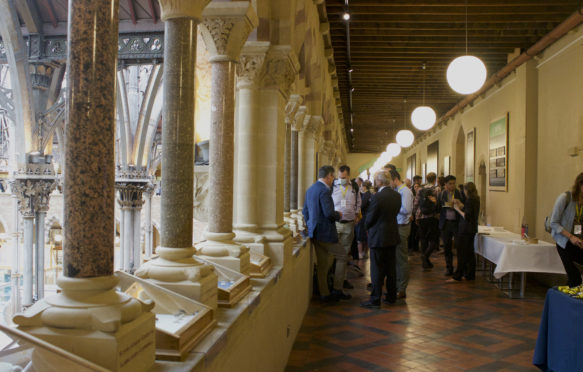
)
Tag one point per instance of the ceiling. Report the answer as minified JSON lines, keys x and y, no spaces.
{"x":390,"y":40}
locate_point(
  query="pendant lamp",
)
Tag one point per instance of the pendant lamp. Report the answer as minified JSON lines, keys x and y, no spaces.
{"x":423,"y":117}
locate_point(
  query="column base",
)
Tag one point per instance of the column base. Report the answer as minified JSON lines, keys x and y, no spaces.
{"x":278,"y":244}
{"x":177,"y":270}
{"x":299,"y":217}
{"x":220,"y":248}
{"x":90,"y":319}
{"x":253,"y":240}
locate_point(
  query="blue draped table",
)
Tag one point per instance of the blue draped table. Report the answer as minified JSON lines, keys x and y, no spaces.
{"x":559,"y":347}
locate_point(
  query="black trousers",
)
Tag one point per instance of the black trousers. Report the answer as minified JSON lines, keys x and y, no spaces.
{"x":570,"y":254}
{"x":413,"y":238}
{"x":429,"y":237}
{"x":466,"y":258}
{"x":448,"y":232}
{"x":383,"y":264}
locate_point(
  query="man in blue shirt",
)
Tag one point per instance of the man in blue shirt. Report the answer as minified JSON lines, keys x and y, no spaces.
{"x":404,"y":221}
{"x":320,"y":218}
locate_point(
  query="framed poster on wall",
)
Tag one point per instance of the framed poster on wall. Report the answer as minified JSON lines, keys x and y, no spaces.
{"x":498,"y":154}
{"x":470,"y":155}
{"x":446,"y":165}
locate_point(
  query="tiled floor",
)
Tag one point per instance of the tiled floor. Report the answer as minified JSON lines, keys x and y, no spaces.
{"x":440,"y":327}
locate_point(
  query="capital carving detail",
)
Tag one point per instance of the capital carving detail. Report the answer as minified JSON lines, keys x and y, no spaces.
{"x":251,"y":63}
{"x":313,"y":124}
{"x":182,"y":9}
{"x":33,"y":195}
{"x":291,"y":108}
{"x":225,"y":29}
{"x":130,"y":194}
{"x":298,"y":123}
{"x":281,"y":68}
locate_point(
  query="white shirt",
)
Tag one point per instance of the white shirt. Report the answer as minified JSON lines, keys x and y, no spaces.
{"x":346,"y":201}
{"x":404,"y":216}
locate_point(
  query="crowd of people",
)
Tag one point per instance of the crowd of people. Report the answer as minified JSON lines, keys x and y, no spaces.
{"x":351,"y":219}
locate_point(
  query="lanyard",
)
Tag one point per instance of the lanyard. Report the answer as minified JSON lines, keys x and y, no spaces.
{"x":579,"y":209}
{"x":344,"y":190}
{"x":401,"y":188}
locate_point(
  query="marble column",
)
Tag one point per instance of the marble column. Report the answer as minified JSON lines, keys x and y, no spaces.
{"x":225,"y":29}
{"x":176,"y":268}
{"x":148,"y":233}
{"x":15,"y":298}
{"x":28,"y":277}
{"x":88,"y":317}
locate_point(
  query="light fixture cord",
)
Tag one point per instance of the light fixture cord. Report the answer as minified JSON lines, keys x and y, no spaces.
{"x":424,"y":84}
{"x":466,"y":27}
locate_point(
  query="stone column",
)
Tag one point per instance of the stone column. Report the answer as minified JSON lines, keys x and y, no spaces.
{"x":298,"y":125}
{"x":307,"y":155}
{"x":15,"y":297}
{"x":32,"y":189}
{"x":130,"y":200}
{"x":148,"y":239}
{"x":278,"y":75}
{"x":177,"y":269}
{"x":89,"y":317}
{"x":225,"y":29}
{"x":290,"y":113}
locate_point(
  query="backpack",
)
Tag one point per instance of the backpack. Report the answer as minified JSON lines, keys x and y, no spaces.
{"x":548,"y":227}
{"x":427,"y":206}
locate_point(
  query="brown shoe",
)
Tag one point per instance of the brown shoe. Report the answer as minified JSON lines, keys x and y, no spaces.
{"x":401,"y":295}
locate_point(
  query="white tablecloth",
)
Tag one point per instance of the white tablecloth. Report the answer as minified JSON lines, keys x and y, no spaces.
{"x":511,"y":255}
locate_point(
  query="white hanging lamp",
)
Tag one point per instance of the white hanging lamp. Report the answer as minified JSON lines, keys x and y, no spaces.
{"x":423,"y":117}
{"x":405,"y":137}
{"x":466,"y":74}
{"x":393,"y":149}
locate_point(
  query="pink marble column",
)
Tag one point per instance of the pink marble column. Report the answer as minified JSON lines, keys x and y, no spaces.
{"x":90,"y":132}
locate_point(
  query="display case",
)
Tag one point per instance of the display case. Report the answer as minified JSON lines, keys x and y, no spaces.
{"x":180,"y":321}
{"x":260,"y":265}
{"x":233,"y":286}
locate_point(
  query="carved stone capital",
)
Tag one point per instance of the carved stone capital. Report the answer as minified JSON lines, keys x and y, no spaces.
{"x":182,"y":9}
{"x":251,"y":62}
{"x":33,"y":195}
{"x":327,"y":148}
{"x":314,"y":125}
{"x":281,"y":68}
{"x":225,"y":29}
{"x":298,"y":123}
{"x":292,"y":106}
{"x":130,"y":194}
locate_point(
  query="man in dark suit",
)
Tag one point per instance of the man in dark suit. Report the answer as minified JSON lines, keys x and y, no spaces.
{"x":448,"y":219}
{"x":383,"y":238}
{"x":321,"y":218}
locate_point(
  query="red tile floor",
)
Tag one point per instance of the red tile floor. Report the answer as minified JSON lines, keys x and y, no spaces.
{"x":468,"y":326}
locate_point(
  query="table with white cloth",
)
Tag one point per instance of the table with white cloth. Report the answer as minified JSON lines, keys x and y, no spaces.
{"x":511,"y":254}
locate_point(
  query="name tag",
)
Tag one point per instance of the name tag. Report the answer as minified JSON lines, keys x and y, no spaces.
{"x":343,"y":203}
{"x":577,"y":230}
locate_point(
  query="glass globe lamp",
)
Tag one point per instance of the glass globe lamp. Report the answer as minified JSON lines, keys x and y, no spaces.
{"x":405,"y":138}
{"x":423,"y":118}
{"x":466,"y":74}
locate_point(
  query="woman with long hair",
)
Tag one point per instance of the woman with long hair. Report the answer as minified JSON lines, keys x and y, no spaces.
{"x":566,"y":225}
{"x":467,"y":230}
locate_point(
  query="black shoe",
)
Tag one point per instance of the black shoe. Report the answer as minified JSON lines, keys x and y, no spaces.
{"x":448,"y":272}
{"x":401,"y":295}
{"x":389,"y":302}
{"x":329,"y":299}
{"x":341,"y":295}
{"x":347,"y":285}
{"x":370,"y":304}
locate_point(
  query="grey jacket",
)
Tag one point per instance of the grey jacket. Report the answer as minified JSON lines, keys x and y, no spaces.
{"x":562,"y":218}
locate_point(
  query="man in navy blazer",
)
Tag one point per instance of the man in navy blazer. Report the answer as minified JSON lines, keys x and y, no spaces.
{"x":320,"y":218}
{"x":383,"y":238}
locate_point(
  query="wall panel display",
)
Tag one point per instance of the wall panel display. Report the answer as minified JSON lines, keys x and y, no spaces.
{"x":433,"y":158}
{"x":446,"y":165}
{"x":411,"y":166}
{"x":470,"y":155}
{"x":498,"y":154}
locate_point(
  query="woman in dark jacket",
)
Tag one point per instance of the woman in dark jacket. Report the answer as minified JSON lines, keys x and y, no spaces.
{"x":467,"y":230}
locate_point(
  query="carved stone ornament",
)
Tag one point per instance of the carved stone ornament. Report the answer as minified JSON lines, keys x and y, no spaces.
{"x":251,"y":62}
{"x":313,"y":124}
{"x":182,"y":9}
{"x":292,"y":106}
{"x":298,"y":123}
{"x":33,"y":195}
{"x":225,"y":29}
{"x":281,"y":68}
{"x":130,"y":194}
